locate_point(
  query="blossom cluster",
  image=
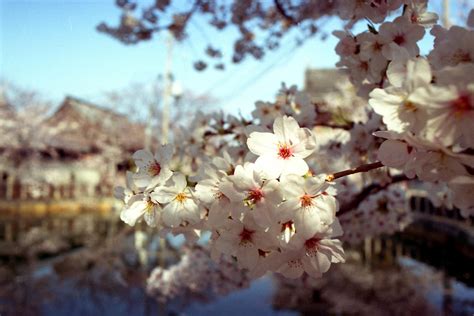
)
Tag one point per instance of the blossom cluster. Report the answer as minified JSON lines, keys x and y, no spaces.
{"x":384,"y":212}
{"x":195,"y":276}
{"x":261,"y":186}
{"x":426,"y":103}
{"x":271,"y":214}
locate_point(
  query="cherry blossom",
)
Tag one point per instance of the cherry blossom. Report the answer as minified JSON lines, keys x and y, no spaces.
{"x":402,"y":33}
{"x":333,"y":169}
{"x":306,"y":202}
{"x":312,"y":254}
{"x":254,"y":194}
{"x":244,"y":240}
{"x":284,"y":151}
{"x":395,"y":103}
{"x":153,"y":170}
{"x":141,"y":206}
{"x":181,"y":208}
{"x":416,"y":13}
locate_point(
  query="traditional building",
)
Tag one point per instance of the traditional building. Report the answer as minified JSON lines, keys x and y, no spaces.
{"x":77,"y":151}
{"x":318,"y":82}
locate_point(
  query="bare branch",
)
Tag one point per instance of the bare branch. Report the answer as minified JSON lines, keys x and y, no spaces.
{"x":282,"y":11}
{"x":362,"y":168}
{"x":368,"y":190}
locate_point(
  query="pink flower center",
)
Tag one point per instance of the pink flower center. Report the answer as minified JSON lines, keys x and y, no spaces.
{"x":306,"y":200}
{"x":399,"y":39}
{"x":461,"y":57}
{"x":409,"y":106}
{"x":312,"y":244}
{"x":461,"y":105}
{"x":255,"y":195}
{"x":154,"y":169}
{"x":246,"y":235}
{"x":285,"y":151}
{"x":377,"y":47}
{"x":364,"y":66}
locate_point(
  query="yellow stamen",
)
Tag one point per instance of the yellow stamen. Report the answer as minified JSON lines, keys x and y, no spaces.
{"x":181,"y":197}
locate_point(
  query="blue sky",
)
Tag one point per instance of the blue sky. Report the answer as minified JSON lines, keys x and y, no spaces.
{"x":53,"y":47}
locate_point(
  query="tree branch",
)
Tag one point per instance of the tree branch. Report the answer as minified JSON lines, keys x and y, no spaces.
{"x":283,"y":13}
{"x":362,"y":168}
{"x":368,"y":190}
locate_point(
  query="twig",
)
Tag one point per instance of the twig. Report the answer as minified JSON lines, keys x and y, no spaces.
{"x":362,"y":168}
{"x":282,"y":11}
{"x":368,"y":190}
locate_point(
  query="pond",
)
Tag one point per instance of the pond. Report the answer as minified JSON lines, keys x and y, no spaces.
{"x":397,"y":275}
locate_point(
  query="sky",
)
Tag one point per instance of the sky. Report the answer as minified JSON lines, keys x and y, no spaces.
{"x":53,"y":47}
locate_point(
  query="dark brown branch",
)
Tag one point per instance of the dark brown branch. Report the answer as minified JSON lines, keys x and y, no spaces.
{"x":362,"y":168}
{"x":368,"y":190}
{"x":283,"y":13}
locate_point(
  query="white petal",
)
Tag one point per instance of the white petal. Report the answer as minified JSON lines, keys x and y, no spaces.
{"x":247,"y":255}
{"x":164,"y":153}
{"x":286,"y":129}
{"x":271,"y":166}
{"x":393,"y":153}
{"x":142,"y":158}
{"x":171,"y":214}
{"x":164,"y":195}
{"x":180,"y":181}
{"x":292,"y":186}
{"x":262,"y":143}
{"x":130,"y":215}
{"x":294,"y":165}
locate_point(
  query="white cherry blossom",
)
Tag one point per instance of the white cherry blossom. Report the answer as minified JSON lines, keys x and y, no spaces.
{"x":312,"y":254}
{"x":306,"y":202}
{"x":451,"y":47}
{"x":153,"y":169}
{"x":402,"y":33}
{"x":416,"y":12}
{"x":284,"y":151}
{"x":395,"y":103}
{"x":181,"y":208}
{"x":141,"y":206}
{"x":253,"y":195}
{"x":450,"y":111}
{"x":243,"y":240}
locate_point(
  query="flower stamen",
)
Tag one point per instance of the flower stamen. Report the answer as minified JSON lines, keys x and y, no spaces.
{"x":284,"y":151}
{"x":154,"y":169}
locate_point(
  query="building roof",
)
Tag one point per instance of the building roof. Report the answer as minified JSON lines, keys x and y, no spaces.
{"x":83,"y":125}
{"x":321,"y":81}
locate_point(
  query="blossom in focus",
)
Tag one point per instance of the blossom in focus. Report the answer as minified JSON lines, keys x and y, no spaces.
{"x":244,"y":240}
{"x":210,"y":193}
{"x":312,"y":254}
{"x":395,"y":103}
{"x":253,"y":195}
{"x":283,"y":151}
{"x":451,"y":47}
{"x":307,"y":203}
{"x":416,"y":13}
{"x":402,"y":33}
{"x":450,"y":108}
{"x":153,"y":169}
{"x":181,"y":208}
{"x":429,"y":161}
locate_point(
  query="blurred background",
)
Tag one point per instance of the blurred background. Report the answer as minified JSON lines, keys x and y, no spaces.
{"x":74,"y":106}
